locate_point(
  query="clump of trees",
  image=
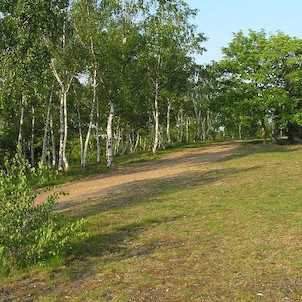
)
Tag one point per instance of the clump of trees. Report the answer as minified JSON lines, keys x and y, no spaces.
{"x":259,"y":85}
{"x":84,"y":79}
{"x":80,"y":73}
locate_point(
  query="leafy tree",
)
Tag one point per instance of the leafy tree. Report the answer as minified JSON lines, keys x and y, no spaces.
{"x":170,"y":37}
{"x":259,"y":73}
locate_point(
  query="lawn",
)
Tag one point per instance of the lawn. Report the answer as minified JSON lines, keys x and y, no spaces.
{"x":230,"y":232}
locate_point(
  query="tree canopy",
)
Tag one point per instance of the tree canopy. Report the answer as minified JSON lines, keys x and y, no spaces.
{"x":84,"y":79}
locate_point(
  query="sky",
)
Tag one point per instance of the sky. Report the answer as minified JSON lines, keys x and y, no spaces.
{"x":219,"y":19}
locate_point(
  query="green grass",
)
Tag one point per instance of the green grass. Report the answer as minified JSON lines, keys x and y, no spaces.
{"x":232,"y":232}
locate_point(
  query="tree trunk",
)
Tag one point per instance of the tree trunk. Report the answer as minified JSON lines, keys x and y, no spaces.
{"x":53,"y":142}
{"x":45,"y":138}
{"x":117,"y":138}
{"x":264,"y":131}
{"x":131,"y":141}
{"x":137,"y":141}
{"x":97,"y":133}
{"x":21,"y":122}
{"x":109,"y":153}
{"x":208,"y":124}
{"x":94,"y":85}
{"x":63,"y":163}
{"x":156,"y":119}
{"x":240,"y":131}
{"x":64,"y":82}
{"x":204,"y":129}
{"x":187,"y":128}
{"x":81,"y":138}
{"x":181,"y":124}
{"x":276,"y":130}
{"x":198,"y":121}
{"x":156,"y":109}
{"x":32,"y":144}
{"x":169,"y":141}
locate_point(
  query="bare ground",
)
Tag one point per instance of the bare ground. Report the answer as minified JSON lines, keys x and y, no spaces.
{"x":176,"y":163}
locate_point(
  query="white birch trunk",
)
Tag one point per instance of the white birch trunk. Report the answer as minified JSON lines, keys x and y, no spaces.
{"x":109,"y":152}
{"x":168,"y":123}
{"x":240,"y":131}
{"x":187,"y":128}
{"x":137,"y":141}
{"x":181,"y":126}
{"x":21,"y":122}
{"x":53,"y":142}
{"x":97,"y":134}
{"x":131,"y":142}
{"x":156,"y":110}
{"x":204,"y":129}
{"x":64,"y":83}
{"x":94,"y":85}
{"x":156,"y":120}
{"x":45,"y":137}
{"x":80,"y":138}
{"x":32,"y":144}
{"x":151,"y":132}
{"x":63,"y":163}
{"x":117,"y":138}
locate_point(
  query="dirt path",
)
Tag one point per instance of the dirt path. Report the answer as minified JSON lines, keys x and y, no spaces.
{"x":175,"y":164}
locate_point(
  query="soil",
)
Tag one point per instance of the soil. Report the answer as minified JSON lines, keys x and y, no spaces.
{"x":176,"y":163}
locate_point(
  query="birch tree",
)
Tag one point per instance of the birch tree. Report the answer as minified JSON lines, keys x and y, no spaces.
{"x":64,"y":66}
{"x":26,"y":27}
{"x":169,"y":35}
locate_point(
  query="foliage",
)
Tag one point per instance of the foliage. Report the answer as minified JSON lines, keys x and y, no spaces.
{"x":260,"y":79}
{"x":29,"y":232}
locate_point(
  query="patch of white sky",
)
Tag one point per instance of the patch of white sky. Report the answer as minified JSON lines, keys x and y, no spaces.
{"x":219,"y":19}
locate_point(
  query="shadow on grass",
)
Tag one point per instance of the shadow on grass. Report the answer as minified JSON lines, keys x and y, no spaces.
{"x":115,"y":242}
{"x":253,"y":148}
{"x":139,"y":192}
{"x":105,"y":247}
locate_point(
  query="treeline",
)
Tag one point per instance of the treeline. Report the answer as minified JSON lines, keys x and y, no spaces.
{"x":259,"y":85}
{"x":76,"y":73}
{"x":84,"y":79}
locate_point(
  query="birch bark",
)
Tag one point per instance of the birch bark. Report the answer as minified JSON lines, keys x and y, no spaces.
{"x":156,"y":119}
{"x":21,"y":122}
{"x":109,"y":151}
{"x":32,"y":143}
{"x":53,"y":143}
{"x":64,"y":85}
{"x":45,"y":137}
{"x":168,"y":123}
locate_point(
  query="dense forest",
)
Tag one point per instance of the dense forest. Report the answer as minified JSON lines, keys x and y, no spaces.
{"x":87,"y":80}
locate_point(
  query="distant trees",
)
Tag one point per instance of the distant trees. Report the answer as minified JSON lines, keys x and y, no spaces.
{"x":260,"y":82}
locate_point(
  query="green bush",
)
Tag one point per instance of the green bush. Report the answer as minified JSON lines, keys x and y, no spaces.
{"x":30,"y":233}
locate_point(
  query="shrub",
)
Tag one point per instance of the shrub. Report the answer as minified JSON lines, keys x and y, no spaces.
{"x":30,"y":233}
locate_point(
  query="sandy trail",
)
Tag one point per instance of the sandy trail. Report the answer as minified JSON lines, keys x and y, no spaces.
{"x":189,"y":160}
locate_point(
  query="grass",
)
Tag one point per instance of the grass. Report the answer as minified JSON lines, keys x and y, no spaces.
{"x":232,"y":232}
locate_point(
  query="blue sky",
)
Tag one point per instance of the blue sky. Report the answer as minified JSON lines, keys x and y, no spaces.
{"x":218,"y":19}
